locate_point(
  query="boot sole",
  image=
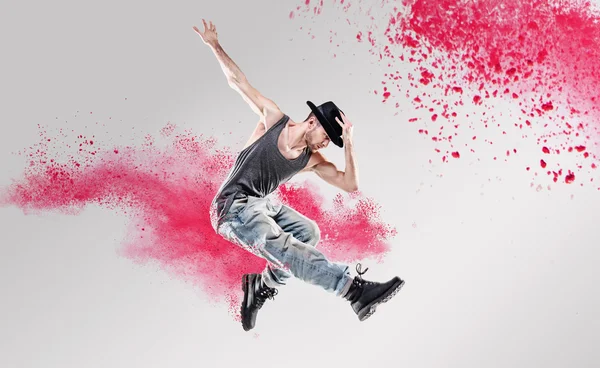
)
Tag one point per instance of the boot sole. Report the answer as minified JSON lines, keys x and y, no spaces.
{"x":245,"y":301}
{"x":368,"y":311}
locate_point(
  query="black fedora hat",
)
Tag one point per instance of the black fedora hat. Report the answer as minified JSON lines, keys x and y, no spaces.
{"x":326,"y":114}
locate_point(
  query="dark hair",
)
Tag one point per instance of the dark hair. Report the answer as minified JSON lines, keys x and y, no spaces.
{"x":309,"y":116}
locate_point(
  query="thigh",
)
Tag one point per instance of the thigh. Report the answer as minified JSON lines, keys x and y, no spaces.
{"x":252,"y":223}
{"x":256,"y":231}
{"x":300,"y":226}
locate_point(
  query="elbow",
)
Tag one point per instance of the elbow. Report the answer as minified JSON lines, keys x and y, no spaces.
{"x":235,"y":80}
{"x":232,"y":82}
{"x":351,"y":185}
{"x":352,"y":188}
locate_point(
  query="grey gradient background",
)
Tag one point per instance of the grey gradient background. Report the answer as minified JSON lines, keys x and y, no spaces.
{"x":498,"y":274}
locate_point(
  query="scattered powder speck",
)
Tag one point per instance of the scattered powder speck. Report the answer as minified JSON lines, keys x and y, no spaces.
{"x":524,"y":69}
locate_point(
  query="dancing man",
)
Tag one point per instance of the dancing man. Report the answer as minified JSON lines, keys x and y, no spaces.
{"x":243,"y":213}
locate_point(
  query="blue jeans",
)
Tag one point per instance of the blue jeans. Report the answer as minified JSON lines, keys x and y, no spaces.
{"x":286,"y":239}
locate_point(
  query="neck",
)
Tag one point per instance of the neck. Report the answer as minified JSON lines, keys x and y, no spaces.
{"x":296,"y":135}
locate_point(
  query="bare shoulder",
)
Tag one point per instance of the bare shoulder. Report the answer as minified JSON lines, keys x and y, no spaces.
{"x":270,"y":119}
{"x":271,"y":115}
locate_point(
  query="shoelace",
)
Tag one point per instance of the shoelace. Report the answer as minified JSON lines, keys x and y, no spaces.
{"x":359,"y":280}
{"x":264,"y":294}
{"x":359,"y":270}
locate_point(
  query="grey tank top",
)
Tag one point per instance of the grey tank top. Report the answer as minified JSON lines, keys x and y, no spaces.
{"x":259,"y":169}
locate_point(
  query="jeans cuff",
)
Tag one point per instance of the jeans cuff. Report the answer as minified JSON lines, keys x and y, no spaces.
{"x":344,"y":290}
{"x":268,"y":280}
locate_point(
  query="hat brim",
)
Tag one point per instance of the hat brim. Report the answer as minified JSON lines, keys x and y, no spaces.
{"x":326,"y":124}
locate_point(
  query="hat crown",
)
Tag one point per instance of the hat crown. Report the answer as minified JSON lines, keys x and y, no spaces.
{"x":331,"y":111}
{"x":328,"y":108}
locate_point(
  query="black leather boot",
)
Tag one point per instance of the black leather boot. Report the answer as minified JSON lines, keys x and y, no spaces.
{"x":255,"y":294}
{"x":364,"y":296}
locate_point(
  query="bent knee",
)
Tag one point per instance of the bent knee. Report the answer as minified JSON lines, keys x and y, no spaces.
{"x":312,"y":233}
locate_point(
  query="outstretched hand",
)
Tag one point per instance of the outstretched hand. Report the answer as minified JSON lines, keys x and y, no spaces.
{"x":347,"y":128}
{"x":209,"y":36}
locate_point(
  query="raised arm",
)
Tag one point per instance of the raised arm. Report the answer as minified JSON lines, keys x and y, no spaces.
{"x":346,"y":180}
{"x":266,"y":109}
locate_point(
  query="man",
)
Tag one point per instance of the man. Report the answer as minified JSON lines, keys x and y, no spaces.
{"x":243,"y":213}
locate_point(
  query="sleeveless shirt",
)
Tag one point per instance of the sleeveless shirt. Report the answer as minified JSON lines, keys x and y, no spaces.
{"x":259,"y":169}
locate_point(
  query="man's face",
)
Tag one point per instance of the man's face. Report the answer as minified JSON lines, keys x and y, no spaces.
{"x":316,"y":136}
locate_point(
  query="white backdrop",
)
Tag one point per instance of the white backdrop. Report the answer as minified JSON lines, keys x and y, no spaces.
{"x":497,"y":273}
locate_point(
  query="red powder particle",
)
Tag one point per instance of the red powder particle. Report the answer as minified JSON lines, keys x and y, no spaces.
{"x":569,"y":178}
{"x":543,"y":163}
{"x":455,"y":154}
{"x":545,"y":150}
{"x":547,"y":106}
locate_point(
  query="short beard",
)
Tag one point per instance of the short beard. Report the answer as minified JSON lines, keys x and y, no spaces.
{"x":308,"y":143}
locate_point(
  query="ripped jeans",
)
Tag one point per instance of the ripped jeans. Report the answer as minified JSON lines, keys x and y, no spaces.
{"x":286,"y":239}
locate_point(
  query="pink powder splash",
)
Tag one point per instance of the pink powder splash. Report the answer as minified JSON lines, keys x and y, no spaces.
{"x":165,"y":187}
{"x":526,"y":69}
